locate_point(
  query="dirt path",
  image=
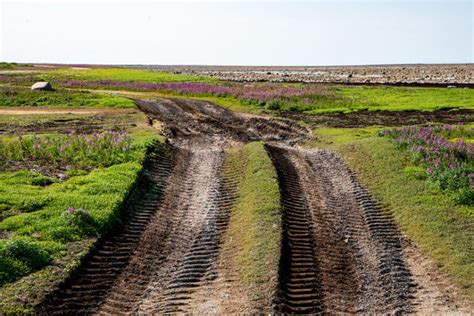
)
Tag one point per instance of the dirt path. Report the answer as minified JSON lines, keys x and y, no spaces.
{"x":340,"y":253}
{"x":164,"y":258}
{"x":178,"y":248}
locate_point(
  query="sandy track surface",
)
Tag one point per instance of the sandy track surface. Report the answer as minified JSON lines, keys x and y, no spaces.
{"x":340,"y":253}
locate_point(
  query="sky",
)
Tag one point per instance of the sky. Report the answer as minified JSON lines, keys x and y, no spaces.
{"x":245,"y":32}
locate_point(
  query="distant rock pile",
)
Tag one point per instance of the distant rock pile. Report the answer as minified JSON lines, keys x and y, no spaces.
{"x":459,"y":75}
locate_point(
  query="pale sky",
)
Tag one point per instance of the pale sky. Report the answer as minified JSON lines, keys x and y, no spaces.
{"x":225,"y":32}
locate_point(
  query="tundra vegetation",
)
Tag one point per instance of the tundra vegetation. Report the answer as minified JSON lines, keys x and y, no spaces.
{"x":61,"y":191}
{"x":41,"y":215}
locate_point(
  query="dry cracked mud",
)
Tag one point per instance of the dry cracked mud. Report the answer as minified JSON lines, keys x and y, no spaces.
{"x":340,"y":252}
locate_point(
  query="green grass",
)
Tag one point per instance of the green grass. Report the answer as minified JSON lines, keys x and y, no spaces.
{"x":408,"y":98}
{"x":39,"y":209}
{"x":26,"y":120}
{"x":429,"y":217}
{"x":231,"y":103}
{"x":120,"y":74}
{"x":338,"y":99}
{"x":5,"y":65}
{"x":354,"y":99}
{"x":253,"y":238}
{"x":331,"y":98}
{"x":36,"y":231}
{"x":19,"y":96}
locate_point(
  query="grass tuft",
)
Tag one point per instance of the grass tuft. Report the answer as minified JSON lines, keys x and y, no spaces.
{"x":255,"y":227}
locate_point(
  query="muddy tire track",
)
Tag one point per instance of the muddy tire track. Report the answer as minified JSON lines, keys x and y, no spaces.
{"x":337,"y":238}
{"x":179,"y":247}
{"x":169,"y":248}
{"x":299,"y":277}
{"x":382,"y":118}
{"x":199,"y":121}
{"x":84,"y":291}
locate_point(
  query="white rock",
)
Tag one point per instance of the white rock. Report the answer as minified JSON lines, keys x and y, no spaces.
{"x":43,"y":85}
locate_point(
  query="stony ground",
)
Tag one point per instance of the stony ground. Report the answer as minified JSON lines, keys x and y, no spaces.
{"x":442,"y":74}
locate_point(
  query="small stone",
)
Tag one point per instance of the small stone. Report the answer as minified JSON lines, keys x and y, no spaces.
{"x":450,"y":87}
{"x":42,"y":85}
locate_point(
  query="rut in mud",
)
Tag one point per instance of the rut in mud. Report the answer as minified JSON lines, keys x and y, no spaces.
{"x":196,"y":120}
{"x":339,"y":252}
{"x":178,"y":248}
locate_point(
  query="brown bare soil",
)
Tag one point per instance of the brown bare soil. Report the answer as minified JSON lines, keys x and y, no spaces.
{"x":382,"y":118}
{"x":340,"y":252}
{"x":195,"y":120}
{"x":67,"y":120}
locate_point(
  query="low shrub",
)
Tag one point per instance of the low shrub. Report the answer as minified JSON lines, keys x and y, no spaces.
{"x":449,"y":165}
{"x":74,"y":150}
{"x":20,"y":256}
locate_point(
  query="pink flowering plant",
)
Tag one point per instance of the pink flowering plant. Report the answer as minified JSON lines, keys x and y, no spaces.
{"x":273,"y":96}
{"x":445,"y":154}
{"x":79,"y":219}
{"x":79,"y":150}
